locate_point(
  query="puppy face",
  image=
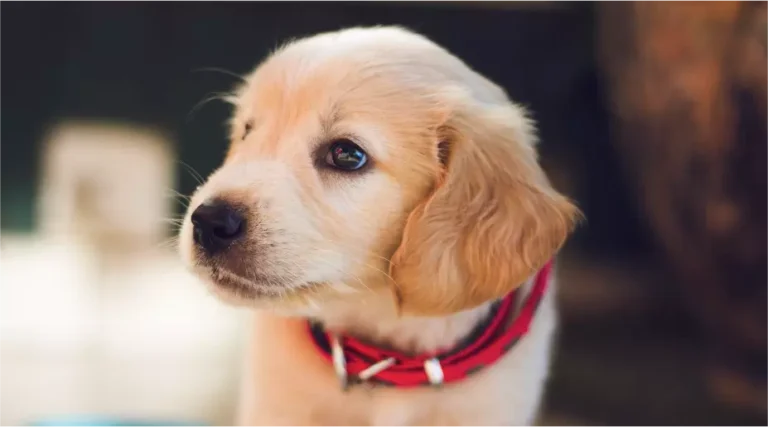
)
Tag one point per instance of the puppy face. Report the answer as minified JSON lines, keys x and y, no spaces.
{"x":371,"y":160}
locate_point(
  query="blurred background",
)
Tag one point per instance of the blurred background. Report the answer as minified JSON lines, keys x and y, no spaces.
{"x":652,"y":116}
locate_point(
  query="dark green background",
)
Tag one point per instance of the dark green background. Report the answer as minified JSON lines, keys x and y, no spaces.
{"x":136,"y":62}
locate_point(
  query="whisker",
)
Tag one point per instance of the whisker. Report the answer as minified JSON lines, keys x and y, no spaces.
{"x":175,"y":193}
{"x":178,"y":198}
{"x":168,"y":243}
{"x":220,"y":70}
{"x":213,"y":96}
{"x":195,"y":174}
{"x":176,"y":221}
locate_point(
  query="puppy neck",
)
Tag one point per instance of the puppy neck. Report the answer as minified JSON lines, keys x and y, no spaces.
{"x":374,"y":319}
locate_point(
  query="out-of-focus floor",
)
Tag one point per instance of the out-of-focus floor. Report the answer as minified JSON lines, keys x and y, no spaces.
{"x":137,"y":338}
{"x":141,"y":338}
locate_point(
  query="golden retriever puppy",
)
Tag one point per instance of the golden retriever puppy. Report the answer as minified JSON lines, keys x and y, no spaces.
{"x":382,"y":209}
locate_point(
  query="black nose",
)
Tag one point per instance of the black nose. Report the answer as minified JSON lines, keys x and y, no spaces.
{"x":216,"y":226}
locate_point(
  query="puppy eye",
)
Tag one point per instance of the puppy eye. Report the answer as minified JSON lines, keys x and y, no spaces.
{"x":346,"y":155}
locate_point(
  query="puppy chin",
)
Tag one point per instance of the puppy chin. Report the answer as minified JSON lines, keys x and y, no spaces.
{"x":287,"y":300}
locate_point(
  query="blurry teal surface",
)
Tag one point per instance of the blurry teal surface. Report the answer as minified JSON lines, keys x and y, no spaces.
{"x":106,"y":421}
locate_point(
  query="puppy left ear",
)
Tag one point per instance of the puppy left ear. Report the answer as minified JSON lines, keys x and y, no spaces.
{"x":492,"y":221}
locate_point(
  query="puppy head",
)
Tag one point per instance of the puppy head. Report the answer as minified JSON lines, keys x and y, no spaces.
{"x":372,"y":160}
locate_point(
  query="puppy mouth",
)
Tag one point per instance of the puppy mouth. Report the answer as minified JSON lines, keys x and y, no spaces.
{"x":233,"y":283}
{"x":262,"y":287}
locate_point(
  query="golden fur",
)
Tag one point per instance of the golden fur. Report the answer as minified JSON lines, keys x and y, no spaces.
{"x":452,"y":212}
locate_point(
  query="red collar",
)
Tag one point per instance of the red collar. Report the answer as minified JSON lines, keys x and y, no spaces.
{"x":354,"y":360}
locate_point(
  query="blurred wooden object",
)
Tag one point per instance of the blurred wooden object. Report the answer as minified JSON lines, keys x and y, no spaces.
{"x":687,"y":88}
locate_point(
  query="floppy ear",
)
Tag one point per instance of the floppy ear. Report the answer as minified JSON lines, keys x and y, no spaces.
{"x":491,"y":222}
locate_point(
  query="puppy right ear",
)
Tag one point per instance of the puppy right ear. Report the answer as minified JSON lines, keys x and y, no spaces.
{"x":492,"y":221}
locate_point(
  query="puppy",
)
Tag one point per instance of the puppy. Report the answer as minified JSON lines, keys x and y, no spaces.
{"x":382,"y":207}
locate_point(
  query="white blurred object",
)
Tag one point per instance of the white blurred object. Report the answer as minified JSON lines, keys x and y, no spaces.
{"x":97,"y":318}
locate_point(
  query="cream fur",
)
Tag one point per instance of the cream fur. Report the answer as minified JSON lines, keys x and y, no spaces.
{"x":452,"y":212}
